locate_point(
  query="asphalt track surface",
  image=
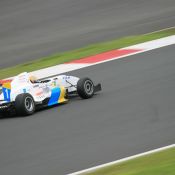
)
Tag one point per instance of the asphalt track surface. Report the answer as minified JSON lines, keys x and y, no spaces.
{"x":37,"y":28}
{"x":134,"y":113}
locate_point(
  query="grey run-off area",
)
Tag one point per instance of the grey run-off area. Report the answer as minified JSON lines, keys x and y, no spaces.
{"x":134,"y":113}
{"x":38,"y":28}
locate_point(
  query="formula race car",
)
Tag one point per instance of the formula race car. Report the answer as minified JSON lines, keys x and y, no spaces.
{"x":25,"y":93}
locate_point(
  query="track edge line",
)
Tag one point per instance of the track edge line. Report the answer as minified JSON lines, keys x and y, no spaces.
{"x":122,"y":160}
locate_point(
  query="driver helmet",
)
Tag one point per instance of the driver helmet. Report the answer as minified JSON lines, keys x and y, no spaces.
{"x":33,"y":79}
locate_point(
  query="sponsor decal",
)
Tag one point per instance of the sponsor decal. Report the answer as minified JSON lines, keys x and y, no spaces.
{"x":66,"y":77}
{"x":6,"y":90}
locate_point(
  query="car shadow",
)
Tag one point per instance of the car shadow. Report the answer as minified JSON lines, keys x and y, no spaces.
{"x":72,"y":98}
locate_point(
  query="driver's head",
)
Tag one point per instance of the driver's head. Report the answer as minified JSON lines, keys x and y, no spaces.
{"x":33,"y":79}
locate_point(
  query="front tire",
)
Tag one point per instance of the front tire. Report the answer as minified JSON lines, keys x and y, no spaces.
{"x":24,"y":104}
{"x":85,"y":88}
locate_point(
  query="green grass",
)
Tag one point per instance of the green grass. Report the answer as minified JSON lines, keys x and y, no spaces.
{"x":162,"y":163}
{"x":83,"y":52}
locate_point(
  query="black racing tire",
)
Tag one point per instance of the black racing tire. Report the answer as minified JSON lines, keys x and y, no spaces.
{"x":85,"y":88}
{"x":24,"y":104}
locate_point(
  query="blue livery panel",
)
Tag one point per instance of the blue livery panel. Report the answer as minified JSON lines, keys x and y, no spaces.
{"x":54,"y":96}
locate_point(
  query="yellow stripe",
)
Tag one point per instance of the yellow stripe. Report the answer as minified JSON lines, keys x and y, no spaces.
{"x":62,"y":95}
{"x":7,"y":85}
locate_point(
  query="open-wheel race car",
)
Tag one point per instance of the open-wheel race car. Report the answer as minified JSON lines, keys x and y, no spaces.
{"x":24,"y":94}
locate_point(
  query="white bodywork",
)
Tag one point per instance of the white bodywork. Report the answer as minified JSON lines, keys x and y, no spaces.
{"x":41,"y":89}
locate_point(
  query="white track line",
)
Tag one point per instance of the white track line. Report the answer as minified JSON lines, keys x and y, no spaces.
{"x":58,"y":69}
{"x":63,"y":68}
{"x":144,"y":47}
{"x":173,"y":27}
{"x":122,"y":160}
{"x":155,"y":44}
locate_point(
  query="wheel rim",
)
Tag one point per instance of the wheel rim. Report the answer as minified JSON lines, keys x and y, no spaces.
{"x":89,"y":87}
{"x":29,"y":105}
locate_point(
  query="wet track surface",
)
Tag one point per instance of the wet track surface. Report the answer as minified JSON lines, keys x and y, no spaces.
{"x":37,"y":28}
{"x":134,"y":113}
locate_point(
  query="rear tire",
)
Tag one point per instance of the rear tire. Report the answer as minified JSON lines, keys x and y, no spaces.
{"x":24,"y":104}
{"x":85,"y":88}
